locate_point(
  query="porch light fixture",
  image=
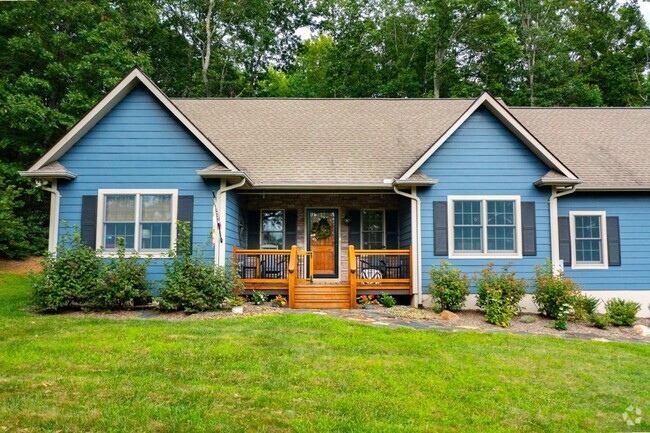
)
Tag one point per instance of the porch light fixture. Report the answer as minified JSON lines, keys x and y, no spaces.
{"x":346,"y":220}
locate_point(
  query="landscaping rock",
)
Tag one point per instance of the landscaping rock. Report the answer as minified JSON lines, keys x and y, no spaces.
{"x":449,"y":316}
{"x":642,"y":330}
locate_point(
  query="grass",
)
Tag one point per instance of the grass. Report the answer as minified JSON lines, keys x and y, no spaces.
{"x":302,"y":373}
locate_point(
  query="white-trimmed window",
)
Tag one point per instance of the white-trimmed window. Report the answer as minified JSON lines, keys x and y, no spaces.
{"x":272,"y":233}
{"x":588,"y":239}
{"x":146,"y":219}
{"x":373,"y":229}
{"x":484,"y":226}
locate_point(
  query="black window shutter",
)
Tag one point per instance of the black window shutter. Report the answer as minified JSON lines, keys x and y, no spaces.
{"x":564,"y":233}
{"x":392,"y":229}
{"x":440,"y":229}
{"x":529,"y":231}
{"x":290,"y":228}
{"x":185,"y":211}
{"x":253,"y":222}
{"x":354,"y":228}
{"x":89,"y":220}
{"x":613,"y":242}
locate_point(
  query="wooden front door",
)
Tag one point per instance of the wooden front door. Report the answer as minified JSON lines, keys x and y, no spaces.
{"x":322,"y":233}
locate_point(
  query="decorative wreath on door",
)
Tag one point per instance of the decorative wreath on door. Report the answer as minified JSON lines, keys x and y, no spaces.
{"x":321,"y":229}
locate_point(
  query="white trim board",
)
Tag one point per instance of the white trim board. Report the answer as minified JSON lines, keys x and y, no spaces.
{"x":492,"y":255}
{"x":501,"y":113}
{"x":603,"y":240}
{"x":99,"y":232}
{"x":119,"y":92}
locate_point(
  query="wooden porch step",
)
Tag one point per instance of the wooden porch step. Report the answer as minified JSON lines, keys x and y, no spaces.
{"x":330,"y":304}
{"x":322,"y":296}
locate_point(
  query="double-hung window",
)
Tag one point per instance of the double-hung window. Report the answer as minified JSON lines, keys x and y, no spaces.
{"x":373,"y":229}
{"x":145,"y":219}
{"x":588,"y":240}
{"x":488,"y":226}
{"x":272,"y":233}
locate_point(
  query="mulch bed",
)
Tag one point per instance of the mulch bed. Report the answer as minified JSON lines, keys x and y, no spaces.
{"x":21,"y":266}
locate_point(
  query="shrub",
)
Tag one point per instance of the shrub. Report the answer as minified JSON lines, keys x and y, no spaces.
{"x":622,"y":312}
{"x":279,"y":301}
{"x":387,"y":300}
{"x":561,"y":324}
{"x":600,"y":321}
{"x":121,"y":281}
{"x":191,"y":284}
{"x":236,"y":301}
{"x":499,"y":294}
{"x":259,"y":297}
{"x":68,"y":277}
{"x":449,"y":287}
{"x":554,"y":294}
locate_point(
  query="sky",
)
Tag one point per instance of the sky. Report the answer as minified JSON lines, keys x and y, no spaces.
{"x":645,"y":8}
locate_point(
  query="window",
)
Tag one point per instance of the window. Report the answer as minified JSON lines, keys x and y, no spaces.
{"x":272,"y":229}
{"x":484,"y":226}
{"x":145,"y":219}
{"x":373,"y":235}
{"x":588,"y":239}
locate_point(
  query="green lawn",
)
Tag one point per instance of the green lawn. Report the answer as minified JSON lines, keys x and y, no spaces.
{"x":302,"y":373}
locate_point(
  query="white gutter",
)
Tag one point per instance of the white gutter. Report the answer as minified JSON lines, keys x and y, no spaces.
{"x":54,"y":212}
{"x":555,"y":235}
{"x":220,"y":253}
{"x":416,"y":230}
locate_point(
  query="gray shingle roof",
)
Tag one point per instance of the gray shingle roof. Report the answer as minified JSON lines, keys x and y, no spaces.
{"x":364,"y":141}
{"x":605,"y":147}
{"x":323,"y":141}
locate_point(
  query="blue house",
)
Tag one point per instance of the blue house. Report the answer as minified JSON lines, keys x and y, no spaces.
{"x":327,"y":199}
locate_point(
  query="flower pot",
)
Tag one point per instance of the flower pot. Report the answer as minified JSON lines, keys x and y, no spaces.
{"x":238,"y":310}
{"x":368,"y":307}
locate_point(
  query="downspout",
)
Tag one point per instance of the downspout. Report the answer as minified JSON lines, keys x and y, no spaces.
{"x":54,"y":211}
{"x":223,"y":190}
{"x":555,"y":235}
{"x":415,"y":235}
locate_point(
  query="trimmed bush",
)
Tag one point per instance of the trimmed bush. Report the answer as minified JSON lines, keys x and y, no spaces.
{"x":622,"y":312}
{"x":191,"y":284}
{"x":554,"y":295}
{"x":68,"y":277}
{"x":122,"y":282}
{"x":499,"y":294}
{"x":449,"y":287}
{"x":600,"y":321}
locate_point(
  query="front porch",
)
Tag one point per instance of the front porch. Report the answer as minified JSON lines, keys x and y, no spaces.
{"x":291,"y":273}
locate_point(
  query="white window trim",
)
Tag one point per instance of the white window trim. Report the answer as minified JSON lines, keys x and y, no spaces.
{"x":383,"y":221}
{"x":484,"y":255}
{"x":284,"y":226}
{"x":138,"y":193}
{"x":603,"y":240}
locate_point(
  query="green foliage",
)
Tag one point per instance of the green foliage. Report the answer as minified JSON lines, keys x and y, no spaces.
{"x":554,"y":294}
{"x":600,"y":321}
{"x":69,"y":277}
{"x":279,"y":301}
{"x":259,"y":297}
{"x":499,"y":294}
{"x":387,"y":300}
{"x":561,"y":324}
{"x":121,"y":281}
{"x":449,"y":287}
{"x":236,"y":301}
{"x":191,"y":284}
{"x":622,"y":312}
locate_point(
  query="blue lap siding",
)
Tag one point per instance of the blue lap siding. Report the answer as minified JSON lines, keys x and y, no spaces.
{"x":483,"y":157}
{"x":140,"y":145}
{"x":232,"y":225}
{"x":633,"y":211}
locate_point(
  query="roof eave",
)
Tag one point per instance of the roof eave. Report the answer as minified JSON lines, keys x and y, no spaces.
{"x":419,"y":182}
{"x":47,"y":174}
{"x":620,"y":188}
{"x":557,"y":182}
{"x":224,"y":174}
{"x":324,"y":186}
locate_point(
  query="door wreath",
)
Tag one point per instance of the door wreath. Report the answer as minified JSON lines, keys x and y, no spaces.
{"x":321,"y":229}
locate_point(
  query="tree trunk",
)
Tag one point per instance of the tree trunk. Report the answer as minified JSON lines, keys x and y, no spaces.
{"x":439,"y":60}
{"x":207,"y":51}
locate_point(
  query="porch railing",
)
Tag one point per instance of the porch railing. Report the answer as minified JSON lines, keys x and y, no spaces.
{"x":378,"y":270}
{"x":272,"y":266}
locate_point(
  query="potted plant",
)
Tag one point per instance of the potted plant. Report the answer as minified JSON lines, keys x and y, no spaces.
{"x":367,"y":302}
{"x":279,"y":301}
{"x":236,"y":303}
{"x":258,"y":297}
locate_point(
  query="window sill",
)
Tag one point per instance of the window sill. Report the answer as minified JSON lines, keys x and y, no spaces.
{"x":485,"y":256}
{"x":592,"y":266}
{"x":141,"y":254}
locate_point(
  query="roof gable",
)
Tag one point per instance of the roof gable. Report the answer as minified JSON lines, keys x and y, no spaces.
{"x":85,"y":124}
{"x":509,"y":121}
